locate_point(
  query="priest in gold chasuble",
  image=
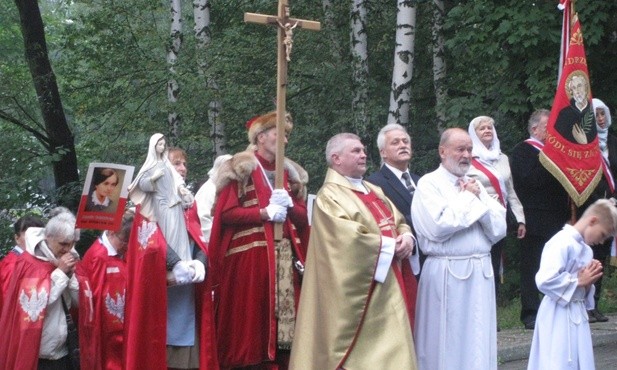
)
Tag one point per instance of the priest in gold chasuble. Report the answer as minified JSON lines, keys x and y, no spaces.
{"x":355,"y":306}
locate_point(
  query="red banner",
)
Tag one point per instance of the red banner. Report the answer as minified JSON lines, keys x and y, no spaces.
{"x":571,"y":152}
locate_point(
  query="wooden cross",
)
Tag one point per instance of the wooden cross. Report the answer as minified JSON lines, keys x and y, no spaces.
{"x":285,"y":26}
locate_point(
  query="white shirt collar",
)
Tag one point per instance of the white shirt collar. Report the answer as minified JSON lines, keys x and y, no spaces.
{"x":111,"y":251}
{"x":96,"y":202}
{"x":357,"y":184}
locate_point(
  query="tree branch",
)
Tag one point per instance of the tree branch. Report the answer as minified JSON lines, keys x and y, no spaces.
{"x":38,"y":135}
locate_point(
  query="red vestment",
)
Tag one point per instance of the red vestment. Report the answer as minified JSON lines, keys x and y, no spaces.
{"x":102,"y":288}
{"x":7,"y":264}
{"x":23,"y":312}
{"x":243,"y":259}
{"x":145,"y":316}
{"x":146,"y":303}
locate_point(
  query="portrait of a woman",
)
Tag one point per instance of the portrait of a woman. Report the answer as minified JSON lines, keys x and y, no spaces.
{"x":104,"y":182}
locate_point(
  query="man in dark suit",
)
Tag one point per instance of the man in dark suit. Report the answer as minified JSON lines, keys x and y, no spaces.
{"x":546,"y":207}
{"x":393,"y":177}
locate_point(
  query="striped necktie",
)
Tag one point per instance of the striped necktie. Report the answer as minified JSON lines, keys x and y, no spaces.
{"x":408,"y":183}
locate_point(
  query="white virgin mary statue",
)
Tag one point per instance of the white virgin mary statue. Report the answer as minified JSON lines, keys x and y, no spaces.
{"x":162,"y":194}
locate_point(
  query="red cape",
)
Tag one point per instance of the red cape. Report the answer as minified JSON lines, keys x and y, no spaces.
{"x":145,"y":316}
{"x":102,"y":288}
{"x":31,"y":280}
{"x":146,"y":302}
{"x":7,"y":264}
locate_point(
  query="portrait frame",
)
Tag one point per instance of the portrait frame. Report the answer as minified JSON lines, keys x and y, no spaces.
{"x":104,"y":196}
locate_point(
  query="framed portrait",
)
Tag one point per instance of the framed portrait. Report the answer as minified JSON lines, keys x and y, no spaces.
{"x":104,"y":196}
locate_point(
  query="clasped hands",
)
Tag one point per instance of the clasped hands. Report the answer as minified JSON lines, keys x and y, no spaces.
{"x":590,"y":273}
{"x":279,"y":202}
{"x":471,"y":185}
{"x":404,"y":245}
{"x":66,"y":263}
{"x":186,"y":272}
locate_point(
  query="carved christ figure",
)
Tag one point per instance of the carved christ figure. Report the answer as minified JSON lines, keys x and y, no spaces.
{"x":288,"y":40}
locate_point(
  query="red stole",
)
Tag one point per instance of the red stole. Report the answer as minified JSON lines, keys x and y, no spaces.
{"x":491,"y":177}
{"x":402,"y":268}
{"x":102,"y":292}
{"x":19,"y":347}
{"x":145,"y":317}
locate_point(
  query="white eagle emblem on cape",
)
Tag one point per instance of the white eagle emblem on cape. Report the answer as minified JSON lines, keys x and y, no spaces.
{"x":116,"y":307}
{"x":35,"y":304}
{"x":144,"y":232}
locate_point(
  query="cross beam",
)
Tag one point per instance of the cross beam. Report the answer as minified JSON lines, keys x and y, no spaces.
{"x":285,"y":26}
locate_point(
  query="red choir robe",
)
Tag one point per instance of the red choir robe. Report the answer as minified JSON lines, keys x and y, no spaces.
{"x":23,"y":312}
{"x":146,"y":303}
{"x":102,"y":292}
{"x":242,"y":251}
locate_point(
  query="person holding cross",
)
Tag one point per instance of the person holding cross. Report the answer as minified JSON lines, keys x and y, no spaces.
{"x":257,"y":278}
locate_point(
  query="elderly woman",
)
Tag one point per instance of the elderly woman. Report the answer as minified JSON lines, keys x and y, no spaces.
{"x":490,"y":166}
{"x":42,"y":283}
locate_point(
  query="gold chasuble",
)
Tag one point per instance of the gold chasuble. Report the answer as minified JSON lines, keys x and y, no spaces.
{"x":345,"y":318}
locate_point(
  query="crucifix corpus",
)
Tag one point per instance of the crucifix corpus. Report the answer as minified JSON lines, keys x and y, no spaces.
{"x":285,"y":26}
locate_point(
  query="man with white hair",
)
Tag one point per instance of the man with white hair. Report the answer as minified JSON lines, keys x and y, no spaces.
{"x":42,"y":282}
{"x":456,"y":223}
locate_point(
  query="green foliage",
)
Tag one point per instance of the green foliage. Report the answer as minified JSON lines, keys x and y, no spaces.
{"x":110,"y":61}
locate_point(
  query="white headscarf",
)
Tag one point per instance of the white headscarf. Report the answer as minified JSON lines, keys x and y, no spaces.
{"x":135,"y":193}
{"x":602,"y":132}
{"x":479,"y":150}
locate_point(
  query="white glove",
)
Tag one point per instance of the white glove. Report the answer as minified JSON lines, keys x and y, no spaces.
{"x":281,"y":197}
{"x":182,"y":272}
{"x":199,"y":271}
{"x":276,"y":213}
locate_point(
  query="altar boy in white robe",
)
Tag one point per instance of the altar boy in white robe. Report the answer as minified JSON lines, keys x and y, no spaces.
{"x":562,"y":338}
{"x":456,"y":224}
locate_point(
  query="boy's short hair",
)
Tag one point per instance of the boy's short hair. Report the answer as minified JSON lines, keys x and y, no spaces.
{"x":606,"y":211}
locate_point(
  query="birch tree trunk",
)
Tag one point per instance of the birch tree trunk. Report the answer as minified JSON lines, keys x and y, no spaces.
{"x":439,"y":65}
{"x":359,"y":53}
{"x":59,"y":141}
{"x":173,"y":90}
{"x":400,"y":94}
{"x":201,"y":11}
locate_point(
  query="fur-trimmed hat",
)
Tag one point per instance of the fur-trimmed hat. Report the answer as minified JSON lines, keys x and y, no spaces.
{"x":259,"y":124}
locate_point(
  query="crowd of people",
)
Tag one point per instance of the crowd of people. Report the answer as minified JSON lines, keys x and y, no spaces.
{"x":393,"y":270}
